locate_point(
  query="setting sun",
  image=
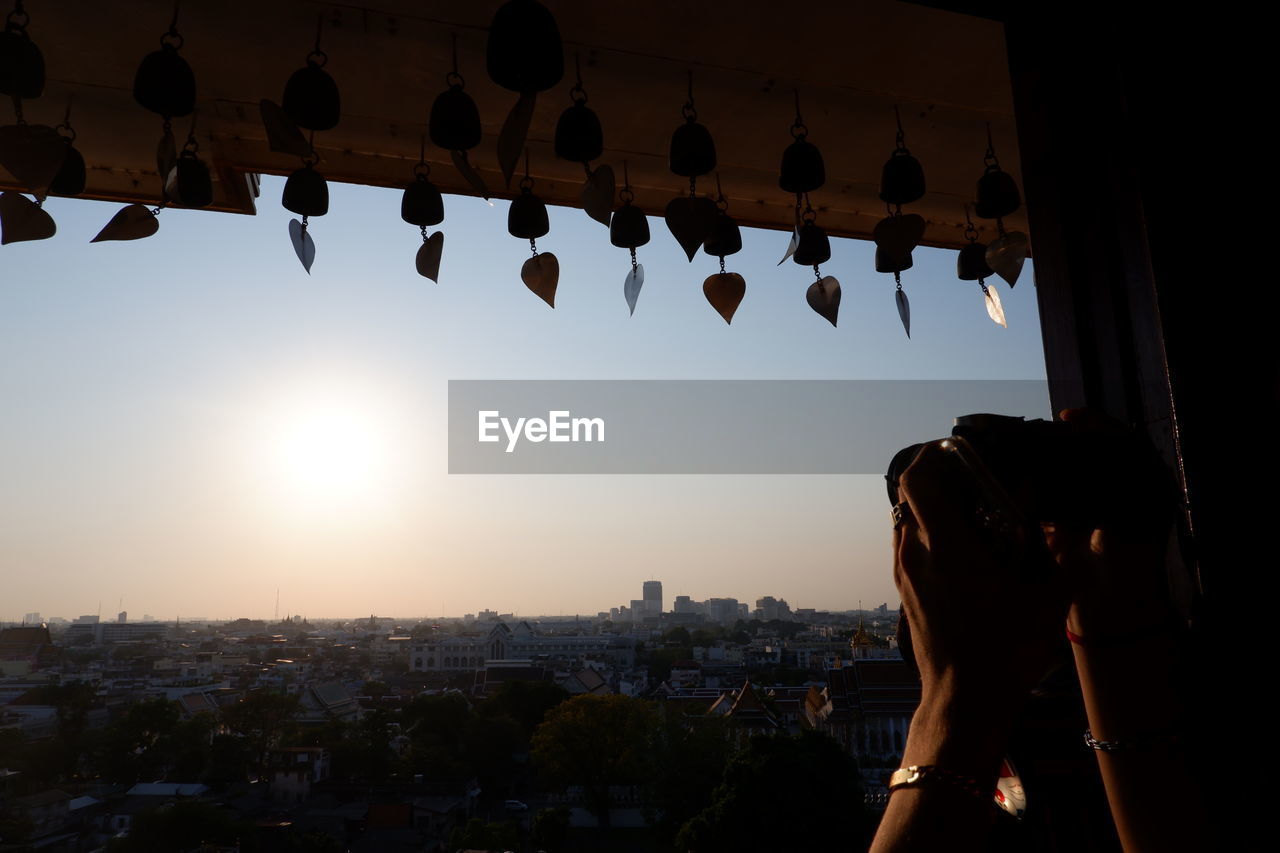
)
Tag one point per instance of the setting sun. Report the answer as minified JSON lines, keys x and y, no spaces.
{"x":326,"y":453}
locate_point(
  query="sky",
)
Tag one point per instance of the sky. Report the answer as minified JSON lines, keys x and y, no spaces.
{"x":191,"y":422}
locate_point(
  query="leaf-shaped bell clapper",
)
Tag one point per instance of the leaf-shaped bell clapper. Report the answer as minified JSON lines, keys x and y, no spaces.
{"x":527,"y":217}
{"x":802,"y":167}
{"x":579,"y":138}
{"x":629,"y":227}
{"x":190,"y":184}
{"x":971,"y":264}
{"x":997,"y":195}
{"x":693,"y":152}
{"x":887,"y":262}
{"x":525,"y":53}
{"x":901,"y":179}
{"x":813,"y":246}
{"x":165,"y":83}
{"x":422,"y":203}
{"x":725,"y":238}
{"x":311,"y":98}
{"x":70,"y":179}
{"x":21,"y":65}
{"x":306,"y":193}
{"x":455,"y":121}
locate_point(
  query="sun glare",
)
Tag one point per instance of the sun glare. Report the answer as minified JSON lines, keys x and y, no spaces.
{"x":329,"y":456}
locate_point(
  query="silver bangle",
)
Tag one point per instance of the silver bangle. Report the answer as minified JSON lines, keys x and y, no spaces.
{"x":1131,"y":744}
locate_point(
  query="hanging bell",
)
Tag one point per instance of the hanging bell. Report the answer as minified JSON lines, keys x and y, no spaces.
{"x":455,"y":122}
{"x":886,"y":262}
{"x":311,"y":98}
{"x":693,"y":152}
{"x":525,"y":53}
{"x":70,"y":179}
{"x":579,"y":138}
{"x":190,"y":184}
{"x":802,"y":167}
{"x":629,"y":227}
{"x":971,"y":264}
{"x":725,"y":238}
{"x":813,"y":246}
{"x":901,"y":179}
{"x":997,"y":195}
{"x":527,"y":217}
{"x":306,"y":193}
{"x":422,"y":203}
{"x":165,"y":83}
{"x":21,"y":65}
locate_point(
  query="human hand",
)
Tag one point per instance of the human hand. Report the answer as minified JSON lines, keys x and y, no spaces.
{"x":957,"y":589}
{"x":1117,"y":578}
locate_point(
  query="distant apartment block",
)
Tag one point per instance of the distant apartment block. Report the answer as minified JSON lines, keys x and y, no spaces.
{"x":523,"y":642}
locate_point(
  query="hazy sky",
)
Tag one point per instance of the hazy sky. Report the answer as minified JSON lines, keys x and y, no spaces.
{"x":190,"y":421}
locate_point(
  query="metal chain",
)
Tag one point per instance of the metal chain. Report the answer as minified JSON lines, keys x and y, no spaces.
{"x":798,"y":129}
{"x":689,"y":112}
{"x":453,"y":79}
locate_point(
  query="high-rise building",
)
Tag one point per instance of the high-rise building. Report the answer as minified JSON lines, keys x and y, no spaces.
{"x":684,"y":604}
{"x":722,"y":610}
{"x":653,"y":597}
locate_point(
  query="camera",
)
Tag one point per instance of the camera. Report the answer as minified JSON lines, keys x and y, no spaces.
{"x":1053,"y":472}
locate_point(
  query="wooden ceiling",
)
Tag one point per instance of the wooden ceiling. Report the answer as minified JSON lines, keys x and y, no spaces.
{"x":851,"y":63}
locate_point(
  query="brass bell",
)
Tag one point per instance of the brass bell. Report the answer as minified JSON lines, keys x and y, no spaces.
{"x":422,"y":203}
{"x":311,"y":98}
{"x":21,"y":65}
{"x":455,"y":122}
{"x":997,"y":195}
{"x":527,"y":217}
{"x":802,"y":167}
{"x":693,"y":152}
{"x":888,"y":263}
{"x":190,"y":184}
{"x":629,"y":227}
{"x":901,"y":179}
{"x":70,"y":179}
{"x":306,"y":193}
{"x":165,"y":83}
{"x":525,"y":53}
{"x":971,"y":263}
{"x":725,"y":237}
{"x":813,"y":247}
{"x":579,"y":137}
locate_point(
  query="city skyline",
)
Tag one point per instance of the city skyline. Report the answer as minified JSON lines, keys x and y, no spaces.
{"x":194,"y":422}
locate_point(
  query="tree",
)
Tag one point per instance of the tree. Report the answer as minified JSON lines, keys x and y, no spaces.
{"x":181,"y":826}
{"x":808,"y":778}
{"x":596,"y":742}
{"x":263,"y":719}
{"x":551,"y":828}
{"x":678,"y":636}
{"x":661,"y":660}
{"x":478,"y":835}
{"x":690,"y":754}
{"x":136,"y":746}
{"x":525,"y":702}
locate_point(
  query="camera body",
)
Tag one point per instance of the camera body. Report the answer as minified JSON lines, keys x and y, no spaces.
{"x":1053,"y":472}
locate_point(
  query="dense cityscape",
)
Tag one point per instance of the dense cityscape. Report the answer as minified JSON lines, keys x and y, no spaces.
{"x":643,"y":727}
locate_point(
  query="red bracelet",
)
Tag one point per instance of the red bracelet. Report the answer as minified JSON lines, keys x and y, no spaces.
{"x":1109,"y":640}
